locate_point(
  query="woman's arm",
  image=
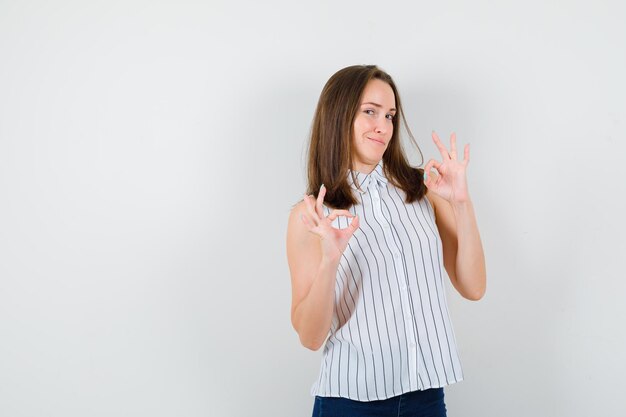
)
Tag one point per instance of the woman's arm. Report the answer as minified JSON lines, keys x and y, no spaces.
{"x":314,"y":249}
{"x":463,"y":255}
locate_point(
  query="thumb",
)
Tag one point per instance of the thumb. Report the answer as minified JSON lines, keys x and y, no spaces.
{"x":354,"y":224}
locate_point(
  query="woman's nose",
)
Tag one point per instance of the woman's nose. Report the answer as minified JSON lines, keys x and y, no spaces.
{"x":381,"y":126}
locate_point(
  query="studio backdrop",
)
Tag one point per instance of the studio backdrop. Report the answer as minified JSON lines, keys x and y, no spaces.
{"x":150,"y":154}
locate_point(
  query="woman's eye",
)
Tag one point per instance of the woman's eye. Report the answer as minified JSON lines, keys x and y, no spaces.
{"x":369,"y":111}
{"x":390,"y":116}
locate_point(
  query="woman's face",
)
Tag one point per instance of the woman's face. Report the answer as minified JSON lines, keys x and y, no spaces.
{"x":373,"y":125}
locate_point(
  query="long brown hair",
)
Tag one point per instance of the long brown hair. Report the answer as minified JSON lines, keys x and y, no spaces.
{"x":331,"y":148}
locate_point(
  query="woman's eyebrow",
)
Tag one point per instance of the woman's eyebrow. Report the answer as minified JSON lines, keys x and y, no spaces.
{"x":376,"y":105}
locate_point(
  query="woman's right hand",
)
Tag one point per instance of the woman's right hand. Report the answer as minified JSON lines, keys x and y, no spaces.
{"x":314,"y":250}
{"x":333,"y":241}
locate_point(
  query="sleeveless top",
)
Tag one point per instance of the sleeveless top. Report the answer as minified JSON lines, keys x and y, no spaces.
{"x":391,"y":331}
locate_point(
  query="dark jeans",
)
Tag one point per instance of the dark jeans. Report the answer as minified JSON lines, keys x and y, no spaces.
{"x":428,"y":403}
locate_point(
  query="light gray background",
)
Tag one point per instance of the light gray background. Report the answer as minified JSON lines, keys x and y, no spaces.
{"x":150,"y":152}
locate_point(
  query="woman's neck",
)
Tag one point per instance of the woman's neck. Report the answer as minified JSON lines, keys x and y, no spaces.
{"x":363,"y":167}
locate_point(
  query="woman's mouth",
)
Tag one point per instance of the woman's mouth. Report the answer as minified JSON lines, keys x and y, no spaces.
{"x":379,"y":141}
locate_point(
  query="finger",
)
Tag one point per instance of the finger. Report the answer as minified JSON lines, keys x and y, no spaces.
{"x":429,"y":176}
{"x":354,"y":224}
{"x":320,"y":201}
{"x":432,"y":163}
{"x":453,"y":154}
{"x":310,"y":209}
{"x":442,"y":148}
{"x":312,"y":228}
{"x":306,"y":221}
{"x":336,"y":213}
{"x":466,"y":155}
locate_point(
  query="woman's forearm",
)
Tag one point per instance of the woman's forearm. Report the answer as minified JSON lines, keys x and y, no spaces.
{"x":470,"y":259}
{"x":312,"y":317}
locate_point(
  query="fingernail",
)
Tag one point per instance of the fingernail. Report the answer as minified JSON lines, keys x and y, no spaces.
{"x":425,"y":176}
{"x":321,"y":186}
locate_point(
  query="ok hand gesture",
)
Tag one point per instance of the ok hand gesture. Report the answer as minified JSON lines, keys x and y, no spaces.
{"x":451,"y":183}
{"x":334,"y":241}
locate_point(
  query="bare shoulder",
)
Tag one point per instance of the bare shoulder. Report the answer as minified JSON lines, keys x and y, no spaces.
{"x":303,"y":254}
{"x":446,"y":225}
{"x":295,"y":227}
{"x":300,"y":242}
{"x":441,"y":207}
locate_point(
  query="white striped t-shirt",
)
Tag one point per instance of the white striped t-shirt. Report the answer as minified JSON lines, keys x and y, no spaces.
{"x":391,"y":332}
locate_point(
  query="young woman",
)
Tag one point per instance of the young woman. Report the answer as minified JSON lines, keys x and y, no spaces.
{"x":366,"y":249}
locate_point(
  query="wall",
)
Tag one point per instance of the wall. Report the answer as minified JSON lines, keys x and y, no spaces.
{"x":150,"y":153}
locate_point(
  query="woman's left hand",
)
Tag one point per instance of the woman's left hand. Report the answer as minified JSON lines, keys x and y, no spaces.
{"x":451,"y":183}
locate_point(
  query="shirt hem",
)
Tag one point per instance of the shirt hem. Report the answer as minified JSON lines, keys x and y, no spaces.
{"x":315,"y":393}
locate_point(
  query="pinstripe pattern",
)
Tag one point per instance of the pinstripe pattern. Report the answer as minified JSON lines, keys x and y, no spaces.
{"x":391,"y":331}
